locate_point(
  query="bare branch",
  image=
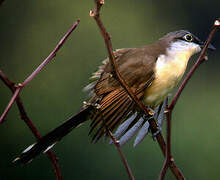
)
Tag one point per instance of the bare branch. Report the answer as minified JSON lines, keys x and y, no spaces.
{"x":201,"y":58}
{"x":36,"y":71}
{"x":96,"y":15}
{"x":29,"y":123}
{"x":116,"y":142}
{"x":11,"y":102}
{"x":153,"y":126}
{"x":16,"y":89}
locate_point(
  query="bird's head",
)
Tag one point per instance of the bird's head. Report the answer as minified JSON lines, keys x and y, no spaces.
{"x":183,"y":41}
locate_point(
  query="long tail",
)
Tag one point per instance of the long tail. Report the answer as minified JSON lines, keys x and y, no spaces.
{"x":50,"y":139}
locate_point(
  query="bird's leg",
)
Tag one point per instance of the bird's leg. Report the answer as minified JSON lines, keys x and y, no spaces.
{"x":151,"y":112}
{"x":159,"y":116}
{"x":163,"y":110}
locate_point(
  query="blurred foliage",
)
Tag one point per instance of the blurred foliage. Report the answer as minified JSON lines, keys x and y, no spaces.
{"x":31,"y":29}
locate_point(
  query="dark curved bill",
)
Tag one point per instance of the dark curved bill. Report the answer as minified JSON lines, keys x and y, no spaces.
{"x":210,"y":47}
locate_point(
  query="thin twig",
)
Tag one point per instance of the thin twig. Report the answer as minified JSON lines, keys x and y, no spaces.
{"x":168,"y":156}
{"x":153,"y":126}
{"x":116,"y":142}
{"x":30,"y":124}
{"x":173,"y":167}
{"x":11,"y":102}
{"x":37,"y":70}
{"x":16,"y":90}
{"x":202,"y":57}
{"x":96,"y":15}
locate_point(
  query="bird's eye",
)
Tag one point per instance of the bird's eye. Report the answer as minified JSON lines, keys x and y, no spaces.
{"x":188,"y":37}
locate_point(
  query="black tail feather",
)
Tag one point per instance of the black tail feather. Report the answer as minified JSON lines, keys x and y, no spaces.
{"x":47,"y":141}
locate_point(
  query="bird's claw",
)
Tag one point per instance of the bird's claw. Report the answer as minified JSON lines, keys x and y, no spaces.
{"x":154,"y":135}
{"x":150,"y":111}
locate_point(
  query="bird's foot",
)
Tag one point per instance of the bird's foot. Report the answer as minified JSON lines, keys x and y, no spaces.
{"x":159,"y":117}
{"x":154,"y":135}
{"x":150,"y":111}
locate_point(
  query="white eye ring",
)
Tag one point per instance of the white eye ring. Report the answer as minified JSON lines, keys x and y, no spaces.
{"x":188,"y":37}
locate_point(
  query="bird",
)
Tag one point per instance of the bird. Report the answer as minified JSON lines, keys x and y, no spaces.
{"x":150,"y":71}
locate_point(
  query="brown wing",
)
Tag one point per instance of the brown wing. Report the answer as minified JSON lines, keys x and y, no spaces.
{"x":137,"y":68}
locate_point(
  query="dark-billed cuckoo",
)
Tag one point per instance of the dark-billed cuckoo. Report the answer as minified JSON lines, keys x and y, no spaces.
{"x":150,"y":71}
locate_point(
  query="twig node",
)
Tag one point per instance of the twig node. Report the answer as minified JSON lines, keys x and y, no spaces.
{"x":217,"y":23}
{"x":91,"y":13}
{"x":101,"y":2}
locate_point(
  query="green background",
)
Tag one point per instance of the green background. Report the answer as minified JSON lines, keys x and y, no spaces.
{"x":31,"y":29}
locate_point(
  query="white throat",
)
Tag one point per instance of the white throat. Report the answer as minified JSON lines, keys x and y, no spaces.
{"x":183,"y":47}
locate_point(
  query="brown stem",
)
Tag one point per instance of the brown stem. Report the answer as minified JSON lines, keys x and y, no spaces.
{"x":30,"y":124}
{"x":96,"y":15}
{"x":201,"y":58}
{"x":11,"y":102}
{"x":153,"y":126}
{"x":116,"y":143}
{"x":173,"y":167}
{"x":37,"y":70}
{"x":168,"y":146}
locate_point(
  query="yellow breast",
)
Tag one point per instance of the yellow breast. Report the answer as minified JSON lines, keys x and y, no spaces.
{"x":168,"y":72}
